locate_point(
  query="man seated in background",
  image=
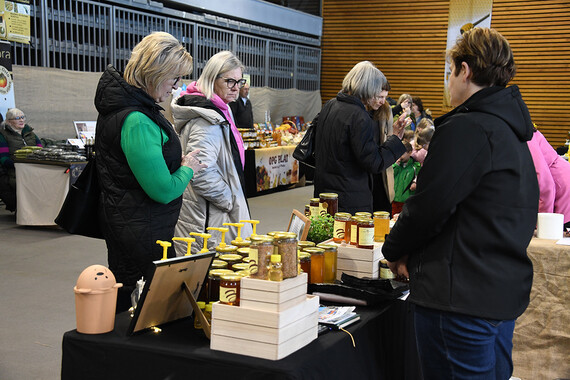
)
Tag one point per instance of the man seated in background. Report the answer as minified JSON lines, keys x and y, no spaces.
{"x":242,"y":109}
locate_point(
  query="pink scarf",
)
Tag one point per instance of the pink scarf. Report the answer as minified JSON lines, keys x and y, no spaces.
{"x":218,"y":102}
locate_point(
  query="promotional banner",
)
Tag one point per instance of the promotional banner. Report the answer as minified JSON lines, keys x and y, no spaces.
{"x":6,"y":79}
{"x":464,"y":15}
{"x":15,"y":21}
{"x":275,"y":167}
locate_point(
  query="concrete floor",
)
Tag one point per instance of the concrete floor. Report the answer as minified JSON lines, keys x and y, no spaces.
{"x":38,"y":270}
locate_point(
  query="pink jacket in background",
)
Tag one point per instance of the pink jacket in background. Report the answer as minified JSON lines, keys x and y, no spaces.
{"x":553,"y":174}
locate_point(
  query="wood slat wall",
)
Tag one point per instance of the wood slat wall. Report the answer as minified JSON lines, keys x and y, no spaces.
{"x":407,"y":42}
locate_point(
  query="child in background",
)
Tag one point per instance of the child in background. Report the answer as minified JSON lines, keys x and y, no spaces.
{"x":405,"y":172}
{"x":408,"y":136}
{"x":421,"y":143}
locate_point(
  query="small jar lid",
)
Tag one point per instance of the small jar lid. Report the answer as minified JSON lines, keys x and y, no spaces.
{"x":343,"y":215}
{"x":305,"y":244}
{"x":240,"y":266}
{"x":231,"y":277}
{"x":382,"y":214}
{"x":304,"y":255}
{"x":243,"y":273}
{"x":219,"y":272}
{"x":226,"y":249}
{"x":241,"y":243}
{"x":328,"y":195}
{"x":231,"y":257}
{"x":313,"y":250}
{"x":273,"y":233}
{"x":363,"y":214}
{"x":261,"y":238}
{"x":219,"y":264}
{"x":328,"y":247}
{"x":243,"y":251}
{"x":285,"y":236}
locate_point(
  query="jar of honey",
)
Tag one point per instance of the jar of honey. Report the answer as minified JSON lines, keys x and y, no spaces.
{"x":229,"y":289}
{"x":308,"y":211}
{"x":260,"y":250}
{"x":231,"y":259}
{"x":314,"y":206}
{"x":340,"y":227}
{"x":381,"y":225}
{"x":317,"y":264}
{"x":365,"y":233}
{"x":385,"y":272}
{"x":286,"y":243}
{"x":328,"y":203}
{"x":330,"y":262}
{"x":214,"y":283}
{"x":354,"y":230}
{"x":305,"y":261}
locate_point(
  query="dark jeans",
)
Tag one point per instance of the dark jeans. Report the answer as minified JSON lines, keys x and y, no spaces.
{"x":457,"y":346}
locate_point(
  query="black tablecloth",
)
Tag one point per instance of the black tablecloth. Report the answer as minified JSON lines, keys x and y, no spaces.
{"x":384,"y":350}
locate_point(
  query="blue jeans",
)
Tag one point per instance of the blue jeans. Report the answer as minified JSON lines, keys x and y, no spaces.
{"x":457,"y":346}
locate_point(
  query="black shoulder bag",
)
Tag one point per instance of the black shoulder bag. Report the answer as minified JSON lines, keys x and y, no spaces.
{"x":79,"y":213}
{"x":305,"y":150}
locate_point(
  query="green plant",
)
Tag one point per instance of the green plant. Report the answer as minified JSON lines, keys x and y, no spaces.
{"x":321,"y":228}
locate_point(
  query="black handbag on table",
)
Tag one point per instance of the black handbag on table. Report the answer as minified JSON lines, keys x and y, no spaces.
{"x":305,"y":150}
{"x":79,"y":213}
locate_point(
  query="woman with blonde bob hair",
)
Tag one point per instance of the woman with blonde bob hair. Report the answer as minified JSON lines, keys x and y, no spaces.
{"x":347,"y":149}
{"x":205,"y":122}
{"x":142,"y":171}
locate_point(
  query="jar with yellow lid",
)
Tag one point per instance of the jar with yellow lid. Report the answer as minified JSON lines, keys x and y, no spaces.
{"x":230,"y":289}
{"x":328,"y":203}
{"x":243,"y":251}
{"x":365,"y":233}
{"x":314,"y":205}
{"x":241,"y":243}
{"x":302,"y":244}
{"x":305,"y":263}
{"x":363,"y":214}
{"x":308,"y":211}
{"x":231,"y":259}
{"x":317,"y":264}
{"x":219,"y":264}
{"x":385,"y":272}
{"x":330,"y":262}
{"x":340,"y":226}
{"x":260,"y":250}
{"x":214,"y":283}
{"x":240,"y":266}
{"x":286,"y":243}
{"x":381,"y":225}
{"x":354,"y":230}
{"x":222,"y":250}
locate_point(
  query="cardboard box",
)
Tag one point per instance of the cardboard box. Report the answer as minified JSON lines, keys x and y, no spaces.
{"x":264,"y":334}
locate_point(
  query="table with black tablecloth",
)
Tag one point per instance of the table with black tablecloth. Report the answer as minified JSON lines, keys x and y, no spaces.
{"x":384,"y":349}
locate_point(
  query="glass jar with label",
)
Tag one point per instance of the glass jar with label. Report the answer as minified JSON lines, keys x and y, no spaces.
{"x":381,"y":225}
{"x":229,"y":289}
{"x":308,"y":211}
{"x":365,"y":233}
{"x":231,"y":259}
{"x":317,"y":264}
{"x":354,"y":230}
{"x":328,"y":203}
{"x":287,"y":248}
{"x":214,"y":283}
{"x":314,"y":206}
{"x":305,"y":260}
{"x":340,"y":227}
{"x":260,"y":250}
{"x":330,"y":262}
{"x":385,"y":272}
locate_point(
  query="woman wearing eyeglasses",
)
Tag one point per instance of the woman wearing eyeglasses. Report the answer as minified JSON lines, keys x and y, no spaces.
{"x":205,"y":122}
{"x":141,"y":168}
{"x":14,"y":134}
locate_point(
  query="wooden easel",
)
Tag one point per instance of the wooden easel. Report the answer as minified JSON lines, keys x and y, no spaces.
{"x":197,"y":312}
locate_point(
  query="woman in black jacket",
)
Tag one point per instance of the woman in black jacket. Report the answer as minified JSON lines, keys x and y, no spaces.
{"x":346,"y":153}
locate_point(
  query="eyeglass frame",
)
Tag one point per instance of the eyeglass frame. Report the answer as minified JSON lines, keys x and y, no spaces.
{"x":23,"y":117}
{"x":240,"y":83}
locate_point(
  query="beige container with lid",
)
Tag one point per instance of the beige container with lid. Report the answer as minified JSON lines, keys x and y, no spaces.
{"x":96,"y":300}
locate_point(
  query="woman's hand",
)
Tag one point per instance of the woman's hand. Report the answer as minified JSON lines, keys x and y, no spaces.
{"x":400,"y":125}
{"x":400,"y":267}
{"x":191,"y":160}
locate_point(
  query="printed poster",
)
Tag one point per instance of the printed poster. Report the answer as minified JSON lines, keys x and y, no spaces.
{"x":15,"y":21}
{"x":6,"y":79}
{"x":464,"y":15}
{"x":275,"y":167}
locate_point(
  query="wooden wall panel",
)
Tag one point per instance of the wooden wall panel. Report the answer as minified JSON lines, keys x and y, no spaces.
{"x":407,"y":42}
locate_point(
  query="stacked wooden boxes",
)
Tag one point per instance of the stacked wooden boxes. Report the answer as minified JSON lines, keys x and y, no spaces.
{"x":359,"y":262}
{"x":274,"y":319}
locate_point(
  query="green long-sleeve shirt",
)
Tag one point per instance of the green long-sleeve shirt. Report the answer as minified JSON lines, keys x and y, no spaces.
{"x":141,"y":141}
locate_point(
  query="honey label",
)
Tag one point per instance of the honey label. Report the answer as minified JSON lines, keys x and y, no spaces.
{"x":323,"y":208}
{"x":228,"y":295}
{"x":353,"y":230}
{"x":253,"y":260}
{"x":314,"y":210}
{"x":338,"y":229}
{"x":386,"y":273}
{"x":366,"y":236}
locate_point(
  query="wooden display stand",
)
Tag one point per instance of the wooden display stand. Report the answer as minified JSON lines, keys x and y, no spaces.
{"x":359,"y":262}
{"x":274,"y":319}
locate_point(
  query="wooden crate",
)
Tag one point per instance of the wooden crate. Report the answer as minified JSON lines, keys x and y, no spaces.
{"x":264,"y":334}
{"x":359,"y":262}
{"x":273,"y":295}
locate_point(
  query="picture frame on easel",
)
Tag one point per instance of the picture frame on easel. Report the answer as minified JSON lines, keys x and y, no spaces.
{"x":299,"y":224}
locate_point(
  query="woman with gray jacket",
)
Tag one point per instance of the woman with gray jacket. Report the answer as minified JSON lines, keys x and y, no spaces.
{"x":204,"y":121}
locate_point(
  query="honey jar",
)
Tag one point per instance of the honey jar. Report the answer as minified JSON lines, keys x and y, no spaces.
{"x":317,"y":264}
{"x":308,"y":211}
{"x":330,"y":262}
{"x":340,"y":227}
{"x":260,"y":250}
{"x":229,"y":289}
{"x":381,"y":225}
{"x":214,"y":283}
{"x":328,"y":203}
{"x":314,"y":206}
{"x":286,"y":244}
{"x":231,"y":259}
{"x":365,"y":233}
{"x":385,"y":272}
{"x":305,"y":263}
{"x":354,"y":230}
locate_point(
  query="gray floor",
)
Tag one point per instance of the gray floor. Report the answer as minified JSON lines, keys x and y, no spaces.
{"x":39,"y":268}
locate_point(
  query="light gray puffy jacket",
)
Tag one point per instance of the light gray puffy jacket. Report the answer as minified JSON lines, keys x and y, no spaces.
{"x":214,"y":196}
